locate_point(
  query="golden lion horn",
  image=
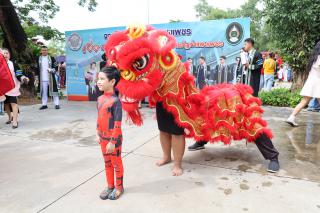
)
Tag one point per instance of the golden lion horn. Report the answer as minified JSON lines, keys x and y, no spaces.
{"x":128,"y":75}
{"x":136,"y":31}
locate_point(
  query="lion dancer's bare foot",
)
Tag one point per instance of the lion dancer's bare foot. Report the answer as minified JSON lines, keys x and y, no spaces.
{"x":165,"y":140}
{"x":177,"y":169}
{"x":178,"y":146}
{"x":163,"y":161}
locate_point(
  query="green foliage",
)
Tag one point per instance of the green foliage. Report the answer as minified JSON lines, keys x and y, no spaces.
{"x":35,"y":49}
{"x":90,"y":4}
{"x":294,"y":26}
{"x":45,"y":31}
{"x":280,"y":97}
{"x":46,"y":9}
{"x":249,"y":9}
{"x":56,"y":47}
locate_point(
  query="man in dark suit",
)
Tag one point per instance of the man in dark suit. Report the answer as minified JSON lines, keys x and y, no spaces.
{"x":222,"y":72}
{"x":202,"y":73}
{"x":255,"y":66}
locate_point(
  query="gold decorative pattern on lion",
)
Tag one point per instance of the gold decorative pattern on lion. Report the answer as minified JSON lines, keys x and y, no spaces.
{"x":150,"y":68}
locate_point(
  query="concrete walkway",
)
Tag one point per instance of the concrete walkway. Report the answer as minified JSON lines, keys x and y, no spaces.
{"x":52,"y":163}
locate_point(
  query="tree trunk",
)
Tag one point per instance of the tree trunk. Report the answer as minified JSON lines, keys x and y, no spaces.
{"x":15,"y":38}
{"x":299,"y":78}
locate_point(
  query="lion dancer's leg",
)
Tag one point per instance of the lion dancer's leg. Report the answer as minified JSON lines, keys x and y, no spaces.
{"x":165,"y":141}
{"x":268,"y":151}
{"x":264,"y":145}
{"x":171,"y":138}
{"x":178,"y":146}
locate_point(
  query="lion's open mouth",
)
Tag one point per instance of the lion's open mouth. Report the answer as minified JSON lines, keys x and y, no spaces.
{"x":142,"y":76}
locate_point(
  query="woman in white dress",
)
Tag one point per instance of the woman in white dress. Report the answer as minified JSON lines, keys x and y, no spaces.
{"x":311,"y":89}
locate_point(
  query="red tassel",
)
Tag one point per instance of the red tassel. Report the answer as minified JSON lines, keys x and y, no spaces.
{"x":135,"y":117}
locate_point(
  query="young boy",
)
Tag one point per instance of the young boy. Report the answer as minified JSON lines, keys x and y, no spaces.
{"x":109,"y":131}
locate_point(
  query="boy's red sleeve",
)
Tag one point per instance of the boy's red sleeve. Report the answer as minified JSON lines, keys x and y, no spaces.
{"x":117,"y":118}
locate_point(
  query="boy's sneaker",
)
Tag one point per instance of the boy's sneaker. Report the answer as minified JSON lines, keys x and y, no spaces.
{"x":116,"y":194}
{"x":105,"y":193}
{"x":274,"y":166}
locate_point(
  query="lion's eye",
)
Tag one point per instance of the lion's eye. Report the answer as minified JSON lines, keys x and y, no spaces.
{"x":141,"y":63}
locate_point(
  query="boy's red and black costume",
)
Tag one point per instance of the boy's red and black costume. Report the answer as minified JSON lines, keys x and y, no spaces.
{"x":109,"y":131}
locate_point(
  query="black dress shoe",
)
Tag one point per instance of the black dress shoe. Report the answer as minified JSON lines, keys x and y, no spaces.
{"x":57,"y":107}
{"x":196,"y":146}
{"x":273,"y":166}
{"x":43,"y":107}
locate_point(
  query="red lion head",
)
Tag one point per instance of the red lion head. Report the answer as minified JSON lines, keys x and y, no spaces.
{"x":142,"y":54}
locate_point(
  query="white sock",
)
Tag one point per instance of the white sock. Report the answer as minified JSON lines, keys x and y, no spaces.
{"x":291,"y":118}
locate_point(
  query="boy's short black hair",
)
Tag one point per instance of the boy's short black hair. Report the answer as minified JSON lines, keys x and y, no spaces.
{"x":223,"y":57}
{"x":203,"y":58}
{"x":112,"y":73}
{"x":44,"y":47}
{"x":189,"y":58}
{"x":103,"y":57}
{"x":249,"y":40}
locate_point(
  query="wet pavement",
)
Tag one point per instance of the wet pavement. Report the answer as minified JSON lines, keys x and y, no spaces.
{"x":52,"y":163}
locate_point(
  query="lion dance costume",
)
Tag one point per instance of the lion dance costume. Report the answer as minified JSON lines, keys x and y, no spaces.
{"x":150,"y":67}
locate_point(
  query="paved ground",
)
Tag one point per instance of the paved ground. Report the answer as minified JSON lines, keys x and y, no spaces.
{"x":52,"y":163}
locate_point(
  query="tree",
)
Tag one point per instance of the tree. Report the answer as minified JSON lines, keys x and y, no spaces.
{"x":294,"y":27}
{"x":16,"y":13}
{"x":249,"y":9}
{"x":18,"y":27}
{"x":15,"y":39}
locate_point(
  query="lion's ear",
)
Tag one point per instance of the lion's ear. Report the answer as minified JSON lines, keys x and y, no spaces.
{"x":162,"y":42}
{"x":115,"y":39}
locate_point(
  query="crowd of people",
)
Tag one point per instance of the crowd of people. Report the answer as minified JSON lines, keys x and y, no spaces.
{"x":272,"y":68}
{"x":46,"y":82}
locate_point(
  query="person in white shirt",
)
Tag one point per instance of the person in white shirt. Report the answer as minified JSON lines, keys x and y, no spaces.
{"x":244,"y":58}
{"x":46,"y":80}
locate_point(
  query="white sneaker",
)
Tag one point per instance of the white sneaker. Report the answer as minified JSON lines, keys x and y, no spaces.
{"x":291,"y":121}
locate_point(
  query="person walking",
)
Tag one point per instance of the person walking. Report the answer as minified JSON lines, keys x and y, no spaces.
{"x":311,"y":88}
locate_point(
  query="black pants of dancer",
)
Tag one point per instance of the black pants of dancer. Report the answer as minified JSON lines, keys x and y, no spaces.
{"x":264,"y":145}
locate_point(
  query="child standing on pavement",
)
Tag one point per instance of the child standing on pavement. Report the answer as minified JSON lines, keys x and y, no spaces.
{"x":109,"y":131}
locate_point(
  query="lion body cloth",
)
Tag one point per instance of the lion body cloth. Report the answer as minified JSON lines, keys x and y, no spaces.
{"x":150,"y":68}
